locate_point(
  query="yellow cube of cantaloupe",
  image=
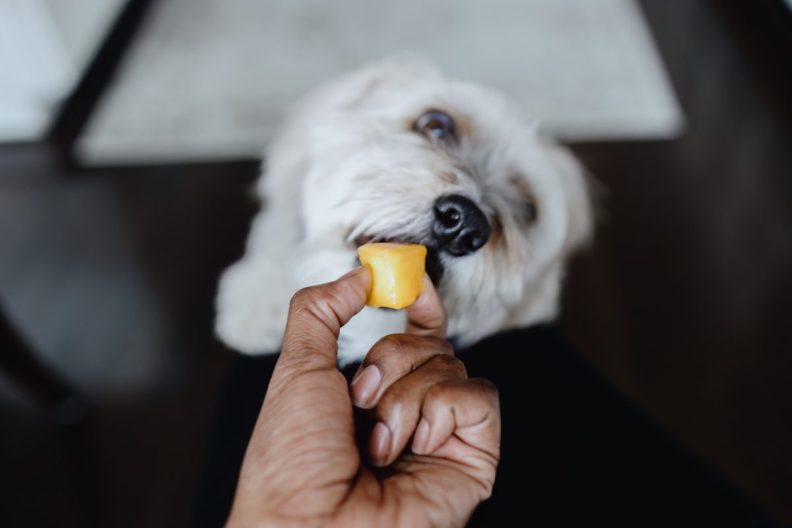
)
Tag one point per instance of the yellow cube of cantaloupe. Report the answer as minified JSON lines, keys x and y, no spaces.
{"x":396,"y":271}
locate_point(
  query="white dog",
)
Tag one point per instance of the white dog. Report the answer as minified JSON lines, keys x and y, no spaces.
{"x":399,"y":152}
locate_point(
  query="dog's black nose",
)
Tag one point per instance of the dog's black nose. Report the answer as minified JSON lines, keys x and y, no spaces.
{"x":459,"y":226}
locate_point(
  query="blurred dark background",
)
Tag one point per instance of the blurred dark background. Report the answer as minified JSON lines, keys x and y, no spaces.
{"x":683,"y":304}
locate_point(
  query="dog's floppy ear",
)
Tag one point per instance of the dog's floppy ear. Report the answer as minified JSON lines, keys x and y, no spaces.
{"x":542,"y":296}
{"x":579,"y":189}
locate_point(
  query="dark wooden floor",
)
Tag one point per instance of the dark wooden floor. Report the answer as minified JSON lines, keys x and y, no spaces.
{"x":683,"y":302}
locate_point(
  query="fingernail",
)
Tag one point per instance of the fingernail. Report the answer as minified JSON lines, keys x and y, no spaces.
{"x":421,"y":437}
{"x":380,"y":444}
{"x":365,"y":386}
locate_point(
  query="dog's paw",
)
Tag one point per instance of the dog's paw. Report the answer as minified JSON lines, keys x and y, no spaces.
{"x":252,"y":305}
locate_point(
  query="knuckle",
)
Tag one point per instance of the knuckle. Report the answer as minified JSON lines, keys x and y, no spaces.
{"x":450,"y":364}
{"x":401,"y":347}
{"x":485,"y":385}
{"x":450,"y":391}
{"x":443,"y":346}
{"x":438,"y":394}
{"x":392,"y":401}
{"x":487,"y":389}
{"x":387,"y":346}
{"x":390,"y":342}
{"x":302,"y":298}
{"x":318,"y":300}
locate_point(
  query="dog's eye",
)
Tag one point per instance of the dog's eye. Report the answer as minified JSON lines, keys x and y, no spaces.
{"x":436,"y":125}
{"x":530,"y":212}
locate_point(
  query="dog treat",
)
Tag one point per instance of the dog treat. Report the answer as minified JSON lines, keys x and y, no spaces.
{"x":396,"y":272}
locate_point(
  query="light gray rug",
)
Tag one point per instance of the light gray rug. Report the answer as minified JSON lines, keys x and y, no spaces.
{"x":45,"y":46}
{"x":209,"y":79}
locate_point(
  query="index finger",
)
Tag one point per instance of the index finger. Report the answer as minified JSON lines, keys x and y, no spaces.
{"x":427,"y":316}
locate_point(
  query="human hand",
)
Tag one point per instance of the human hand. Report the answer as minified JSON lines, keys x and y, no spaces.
{"x":302,"y":465}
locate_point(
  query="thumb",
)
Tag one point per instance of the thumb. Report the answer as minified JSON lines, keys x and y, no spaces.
{"x":316,"y":315}
{"x":305,"y":426}
{"x":426,"y":316}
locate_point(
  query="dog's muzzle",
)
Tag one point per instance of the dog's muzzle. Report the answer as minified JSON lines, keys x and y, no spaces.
{"x":459,"y":227}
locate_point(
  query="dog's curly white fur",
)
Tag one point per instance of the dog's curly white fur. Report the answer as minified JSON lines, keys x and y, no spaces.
{"x":349,"y":162}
